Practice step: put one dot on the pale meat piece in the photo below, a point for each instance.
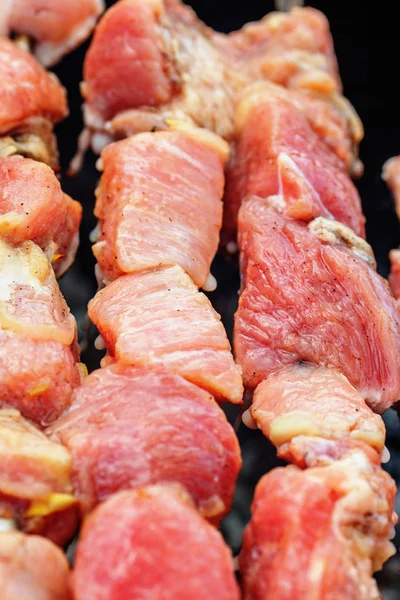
(159, 203)
(35, 480)
(334, 122)
(129, 427)
(38, 347)
(325, 529)
(167, 79)
(33, 207)
(391, 174)
(294, 49)
(32, 568)
(308, 400)
(31, 102)
(55, 27)
(394, 277)
(310, 294)
(268, 126)
(151, 543)
(159, 318)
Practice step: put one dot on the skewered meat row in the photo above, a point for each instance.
(39, 355)
(312, 310)
(168, 79)
(55, 28)
(294, 175)
(166, 345)
(36, 216)
(147, 416)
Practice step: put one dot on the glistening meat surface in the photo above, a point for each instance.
(27, 90)
(159, 203)
(308, 296)
(35, 480)
(129, 427)
(56, 27)
(268, 126)
(32, 567)
(38, 349)
(305, 399)
(325, 529)
(33, 207)
(158, 548)
(159, 318)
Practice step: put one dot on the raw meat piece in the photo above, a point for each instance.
(268, 126)
(305, 399)
(35, 480)
(325, 529)
(31, 101)
(294, 49)
(38, 347)
(159, 203)
(129, 29)
(310, 294)
(129, 427)
(391, 174)
(334, 122)
(394, 277)
(56, 27)
(159, 318)
(32, 568)
(37, 376)
(150, 543)
(33, 207)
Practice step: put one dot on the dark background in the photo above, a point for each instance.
(368, 51)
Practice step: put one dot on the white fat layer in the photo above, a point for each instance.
(385, 455)
(99, 343)
(14, 270)
(100, 141)
(248, 420)
(210, 284)
(94, 234)
(7, 525)
(232, 247)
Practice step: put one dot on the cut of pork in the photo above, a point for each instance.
(305, 399)
(35, 480)
(129, 427)
(32, 567)
(159, 203)
(159, 318)
(56, 28)
(268, 126)
(33, 207)
(32, 101)
(151, 543)
(309, 294)
(325, 529)
(38, 347)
